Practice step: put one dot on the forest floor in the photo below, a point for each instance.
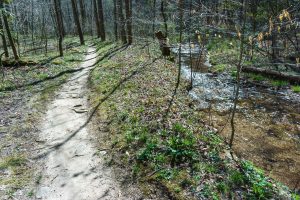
(21, 110)
(163, 142)
(47, 149)
(73, 168)
(115, 130)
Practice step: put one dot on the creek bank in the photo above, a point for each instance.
(267, 121)
(178, 154)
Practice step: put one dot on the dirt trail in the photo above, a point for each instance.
(73, 169)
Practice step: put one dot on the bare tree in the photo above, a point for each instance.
(83, 14)
(9, 35)
(57, 9)
(77, 22)
(97, 19)
(154, 18)
(121, 21)
(163, 13)
(238, 76)
(128, 6)
(3, 39)
(101, 20)
(115, 20)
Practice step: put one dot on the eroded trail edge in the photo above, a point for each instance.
(73, 168)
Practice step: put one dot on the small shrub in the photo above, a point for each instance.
(295, 197)
(147, 153)
(223, 187)
(180, 145)
(220, 68)
(234, 73)
(167, 174)
(260, 185)
(257, 77)
(237, 178)
(279, 83)
(14, 161)
(296, 88)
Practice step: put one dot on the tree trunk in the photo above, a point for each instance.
(10, 38)
(273, 74)
(128, 6)
(163, 13)
(97, 19)
(69, 22)
(238, 76)
(44, 31)
(83, 14)
(115, 21)
(59, 26)
(154, 19)
(180, 9)
(121, 21)
(61, 18)
(77, 22)
(101, 20)
(3, 40)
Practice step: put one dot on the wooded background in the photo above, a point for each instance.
(270, 30)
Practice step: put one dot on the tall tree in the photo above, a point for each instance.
(115, 21)
(32, 23)
(77, 22)
(57, 9)
(9, 35)
(97, 19)
(154, 19)
(128, 7)
(101, 20)
(163, 13)
(61, 19)
(3, 39)
(83, 14)
(121, 21)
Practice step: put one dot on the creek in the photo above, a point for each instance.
(267, 120)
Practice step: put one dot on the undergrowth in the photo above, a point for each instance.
(16, 171)
(45, 65)
(178, 153)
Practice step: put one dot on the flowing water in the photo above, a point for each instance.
(267, 120)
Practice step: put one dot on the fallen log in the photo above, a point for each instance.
(18, 63)
(273, 74)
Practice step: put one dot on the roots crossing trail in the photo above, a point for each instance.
(73, 169)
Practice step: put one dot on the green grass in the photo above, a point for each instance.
(260, 185)
(257, 77)
(233, 73)
(23, 75)
(220, 68)
(20, 173)
(30, 194)
(279, 83)
(12, 161)
(177, 154)
(296, 197)
(296, 88)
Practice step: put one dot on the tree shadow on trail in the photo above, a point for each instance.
(69, 71)
(94, 110)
